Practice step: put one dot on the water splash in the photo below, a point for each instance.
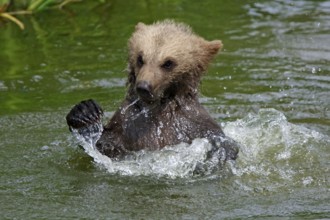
(276, 153)
(273, 153)
(181, 160)
(87, 138)
(173, 161)
(124, 109)
(134, 115)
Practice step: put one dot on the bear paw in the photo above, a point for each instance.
(84, 114)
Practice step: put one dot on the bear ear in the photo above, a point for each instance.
(140, 26)
(213, 47)
(209, 50)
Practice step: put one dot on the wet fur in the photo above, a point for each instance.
(172, 113)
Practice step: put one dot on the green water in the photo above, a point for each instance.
(276, 56)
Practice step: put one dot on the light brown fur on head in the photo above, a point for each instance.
(167, 53)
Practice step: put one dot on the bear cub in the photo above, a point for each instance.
(165, 65)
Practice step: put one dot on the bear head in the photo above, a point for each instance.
(167, 59)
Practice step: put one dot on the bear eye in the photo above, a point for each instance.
(140, 61)
(168, 65)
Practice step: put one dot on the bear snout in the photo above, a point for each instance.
(144, 90)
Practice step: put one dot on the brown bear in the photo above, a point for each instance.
(161, 108)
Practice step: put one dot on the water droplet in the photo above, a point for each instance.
(45, 147)
(36, 78)
(123, 110)
(101, 56)
(307, 180)
(313, 70)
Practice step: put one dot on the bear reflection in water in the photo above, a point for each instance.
(161, 108)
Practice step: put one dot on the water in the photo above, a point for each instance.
(280, 152)
(269, 88)
(182, 160)
(266, 135)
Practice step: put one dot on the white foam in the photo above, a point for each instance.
(273, 153)
(172, 161)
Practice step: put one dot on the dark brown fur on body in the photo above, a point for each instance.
(136, 127)
(161, 108)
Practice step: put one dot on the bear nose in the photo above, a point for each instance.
(143, 88)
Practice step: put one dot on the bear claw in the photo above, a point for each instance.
(83, 114)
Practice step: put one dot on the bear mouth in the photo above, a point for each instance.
(146, 97)
(144, 91)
